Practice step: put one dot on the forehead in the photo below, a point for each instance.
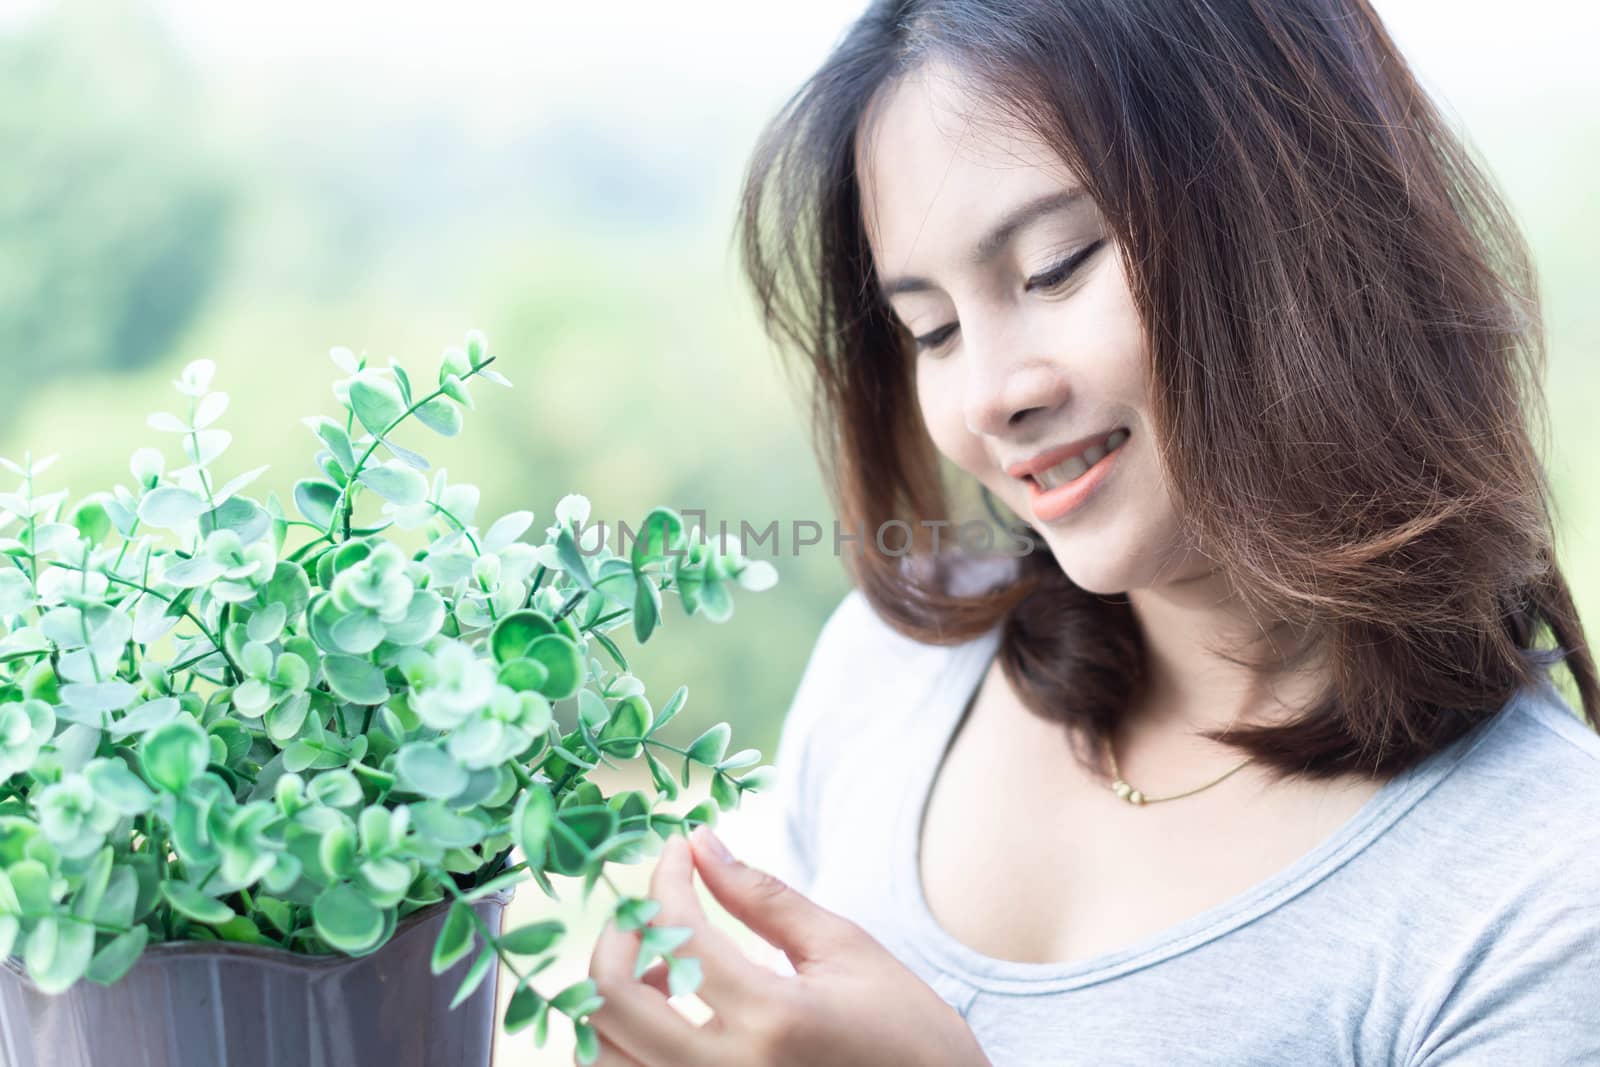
(938, 162)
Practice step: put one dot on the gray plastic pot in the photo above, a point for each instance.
(223, 1004)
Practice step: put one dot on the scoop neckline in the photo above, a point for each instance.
(944, 705)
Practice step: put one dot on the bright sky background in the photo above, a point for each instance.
(1480, 54)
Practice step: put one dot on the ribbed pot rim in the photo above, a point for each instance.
(274, 956)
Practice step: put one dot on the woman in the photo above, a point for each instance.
(1255, 758)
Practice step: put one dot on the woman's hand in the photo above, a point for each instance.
(849, 1004)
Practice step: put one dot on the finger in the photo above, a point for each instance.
(636, 1017)
(728, 977)
(783, 917)
(656, 978)
(611, 1056)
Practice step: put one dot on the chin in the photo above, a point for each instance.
(1090, 571)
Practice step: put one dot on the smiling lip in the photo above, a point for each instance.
(1051, 504)
(1045, 460)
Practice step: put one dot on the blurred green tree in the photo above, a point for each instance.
(115, 209)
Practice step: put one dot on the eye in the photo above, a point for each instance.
(1058, 275)
(935, 338)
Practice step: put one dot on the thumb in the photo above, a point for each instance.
(783, 916)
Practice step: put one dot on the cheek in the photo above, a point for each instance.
(939, 397)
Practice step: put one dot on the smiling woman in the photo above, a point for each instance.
(1260, 759)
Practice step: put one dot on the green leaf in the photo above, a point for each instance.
(530, 824)
(745, 757)
(428, 770)
(563, 662)
(96, 880)
(524, 1005)
(395, 483)
(70, 957)
(633, 913)
(758, 576)
(657, 940)
(646, 609)
(673, 705)
(576, 994)
(724, 792)
(190, 902)
(481, 969)
(355, 680)
(524, 675)
(683, 976)
(315, 499)
(441, 415)
(515, 632)
(243, 929)
(403, 380)
(118, 956)
(617, 581)
(611, 648)
(665, 784)
(376, 401)
(630, 718)
(715, 601)
(587, 1043)
(347, 920)
(174, 753)
(703, 812)
(661, 532)
(572, 560)
(438, 825)
(169, 507)
(336, 852)
(114, 783)
(532, 939)
(338, 442)
(455, 938)
(761, 780)
(709, 746)
(591, 824)
(92, 520)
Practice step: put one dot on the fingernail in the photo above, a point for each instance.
(714, 845)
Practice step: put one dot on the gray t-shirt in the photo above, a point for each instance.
(1453, 920)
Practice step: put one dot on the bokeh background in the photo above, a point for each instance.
(257, 183)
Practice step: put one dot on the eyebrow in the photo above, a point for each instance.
(997, 238)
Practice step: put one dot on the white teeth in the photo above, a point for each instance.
(1062, 473)
(1072, 469)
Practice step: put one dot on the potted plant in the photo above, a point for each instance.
(268, 778)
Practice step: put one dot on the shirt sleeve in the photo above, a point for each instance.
(1526, 991)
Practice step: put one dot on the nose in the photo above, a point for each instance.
(1010, 380)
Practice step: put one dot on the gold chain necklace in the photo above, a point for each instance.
(1136, 797)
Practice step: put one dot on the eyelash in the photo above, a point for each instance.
(1051, 279)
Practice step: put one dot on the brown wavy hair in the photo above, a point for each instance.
(1345, 347)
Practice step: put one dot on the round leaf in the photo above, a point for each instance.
(169, 507)
(562, 660)
(347, 920)
(429, 771)
(515, 632)
(175, 753)
(441, 415)
(190, 902)
(355, 680)
(375, 398)
(395, 483)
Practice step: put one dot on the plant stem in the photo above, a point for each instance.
(238, 673)
(343, 506)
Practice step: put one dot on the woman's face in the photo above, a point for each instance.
(1027, 336)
